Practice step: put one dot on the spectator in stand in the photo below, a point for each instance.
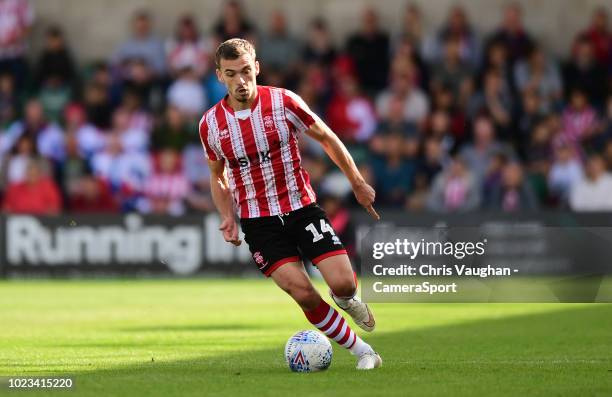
(187, 49)
(173, 132)
(317, 169)
(195, 168)
(139, 117)
(48, 136)
(439, 128)
(411, 27)
(455, 189)
(600, 36)
(96, 99)
(278, 50)
(187, 94)
(15, 26)
(349, 113)
(579, 120)
(541, 75)
(513, 193)
(451, 70)
(432, 160)
(132, 139)
(9, 100)
(393, 172)
(89, 139)
(512, 34)
(37, 194)
(314, 86)
(369, 49)
(125, 172)
(417, 199)
(92, 196)
(493, 177)
(55, 76)
(319, 47)
(538, 163)
(479, 153)
(495, 100)
(55, 62)
(457, 27)
(394, 120)
(405, 53)
(403, 92)
(100, 73)
(74, 167)
(14, 169)
(594, 191)
(530, 116)
(166, 190)
(583, 71)
(233, 23)
(606, 125)
(496, 58)
(607, 155)
(539, 150)
(139, 84)
(143, 45)
(565, 172)
(443, 101)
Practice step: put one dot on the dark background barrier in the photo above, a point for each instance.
(141, 245)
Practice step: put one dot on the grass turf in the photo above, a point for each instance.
(226, 337)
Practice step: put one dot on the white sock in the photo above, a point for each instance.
(360, 347)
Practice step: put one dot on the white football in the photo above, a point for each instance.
(308, 351)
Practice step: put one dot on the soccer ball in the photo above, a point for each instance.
(308, 351)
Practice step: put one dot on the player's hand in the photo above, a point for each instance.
(365, 195)
(229, 227)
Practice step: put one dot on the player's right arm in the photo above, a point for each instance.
(222, 197)
(219, 186)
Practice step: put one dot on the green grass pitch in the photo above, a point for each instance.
(219, 337)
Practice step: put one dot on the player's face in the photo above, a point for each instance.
(239, 76)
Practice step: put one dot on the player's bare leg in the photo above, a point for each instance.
(293, 279)
(342, 281)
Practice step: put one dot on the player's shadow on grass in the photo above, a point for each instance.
(570, 347)
(193, 327)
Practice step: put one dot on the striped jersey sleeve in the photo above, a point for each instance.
(207, 137)
(297, 111)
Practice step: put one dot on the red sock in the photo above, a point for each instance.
(332, 324)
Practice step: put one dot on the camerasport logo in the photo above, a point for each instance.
(259, 260)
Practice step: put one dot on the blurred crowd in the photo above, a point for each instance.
(449, 119)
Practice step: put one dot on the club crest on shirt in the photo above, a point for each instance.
(259, 260)
(224, 133)
(268, 122)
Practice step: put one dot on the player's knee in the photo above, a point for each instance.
(344, 288)
(305, 295)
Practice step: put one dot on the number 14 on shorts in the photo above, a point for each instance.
(325, 228)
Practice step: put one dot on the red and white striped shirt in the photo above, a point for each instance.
(260, 149)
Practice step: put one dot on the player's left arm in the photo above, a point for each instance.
(339, 154)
